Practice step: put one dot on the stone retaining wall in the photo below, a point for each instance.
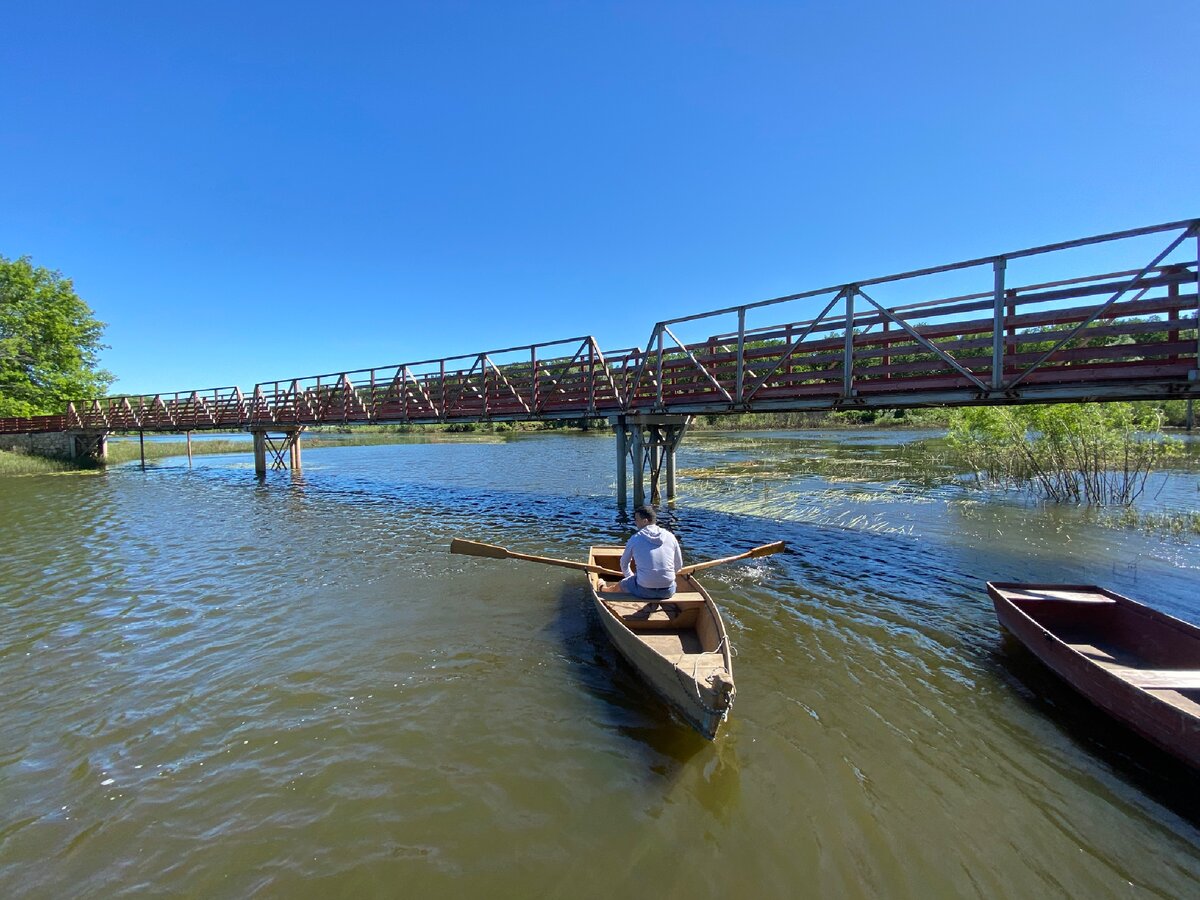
(56, 444)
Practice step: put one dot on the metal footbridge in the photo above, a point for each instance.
(1109, 317)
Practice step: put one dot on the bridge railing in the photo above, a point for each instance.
(565, 379)
(178, 411)
(32, 424)
(1133, 325)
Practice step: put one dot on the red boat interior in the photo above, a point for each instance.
(1139, 645)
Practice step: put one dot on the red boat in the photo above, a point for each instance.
(1140, 666)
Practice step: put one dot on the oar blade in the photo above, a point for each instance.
(475, 548)
(764, 550)
(767, 549)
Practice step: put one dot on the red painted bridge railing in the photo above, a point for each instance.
(1130, 332)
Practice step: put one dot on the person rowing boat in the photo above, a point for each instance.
(651, 559)
(680, 648)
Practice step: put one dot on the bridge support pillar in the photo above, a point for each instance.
(260, 453)
(622, 458)
(649, 443)
(91, 445)
(264, 446)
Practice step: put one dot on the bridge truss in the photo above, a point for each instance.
(1124, 333)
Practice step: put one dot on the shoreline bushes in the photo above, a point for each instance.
(1100, 454)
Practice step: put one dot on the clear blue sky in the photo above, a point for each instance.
(250, 191)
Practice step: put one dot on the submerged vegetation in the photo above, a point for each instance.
(1170, 523)
(1100, 454)
(15, 462)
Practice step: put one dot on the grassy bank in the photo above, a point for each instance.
(127, 451)
(12, 463)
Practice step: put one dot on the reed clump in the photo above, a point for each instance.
(1099, 454)
(1172, 523)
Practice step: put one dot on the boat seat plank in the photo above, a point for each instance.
(1161, 679)
(1062, 593)
(1181, 701)
(1107, 656)
(681, 597)
(1060, 596)
(1092, 652)
(1166, 679)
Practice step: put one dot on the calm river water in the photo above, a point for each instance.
(216, 687)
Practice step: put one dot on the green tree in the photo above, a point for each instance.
(49, 342)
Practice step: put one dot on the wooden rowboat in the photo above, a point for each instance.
(1139, 665)
(678, 646)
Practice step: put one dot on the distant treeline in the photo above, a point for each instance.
(1173, 413)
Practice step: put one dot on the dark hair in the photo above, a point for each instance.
(646, 512)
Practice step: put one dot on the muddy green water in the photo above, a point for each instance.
(215, 687)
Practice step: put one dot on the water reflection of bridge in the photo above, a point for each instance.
(1111, 317)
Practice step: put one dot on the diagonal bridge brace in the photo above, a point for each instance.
(1129, 285)
(556, 381)
(277, 451)
(795, 346)
(926, 343)
(700, 366)
(508, 384)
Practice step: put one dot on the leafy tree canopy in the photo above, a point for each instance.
(49, 342)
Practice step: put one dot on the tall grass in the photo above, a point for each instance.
(16, 463)
(127, 451)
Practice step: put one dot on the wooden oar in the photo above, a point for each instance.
(490, 551)
(764, 550)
